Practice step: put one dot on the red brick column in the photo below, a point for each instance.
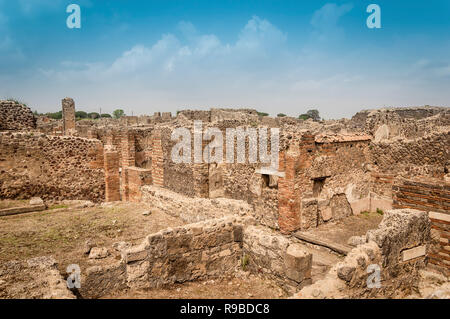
(288, 200)
(157, 160)
(136, 177)
(128, 149)
(112, 178)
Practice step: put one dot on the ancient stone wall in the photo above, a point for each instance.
(395, 251)
(432, 197)
(193, 209)
(16, 116)
(427, 156)
(276, 257)
(209, 249)
(54, 168)
(401, 122)
(133, 178)
(326, 179)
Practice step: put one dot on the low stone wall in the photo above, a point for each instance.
(16, 116)
(205, 250)
(193, 209)
(197, 251)
(50, 167)
(397, 249)
(276, 257)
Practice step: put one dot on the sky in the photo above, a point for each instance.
(284, 56)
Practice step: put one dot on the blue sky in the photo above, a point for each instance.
(275, 56)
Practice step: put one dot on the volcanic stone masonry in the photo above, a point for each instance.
(16, 116)
(328, 171)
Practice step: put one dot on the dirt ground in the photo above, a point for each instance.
(63, 232)
(341, 230)
(250, 287)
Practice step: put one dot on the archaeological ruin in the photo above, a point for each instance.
(358, 208)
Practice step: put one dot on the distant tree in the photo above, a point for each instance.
(262, 114)
(118, 113)
(81, 115)
(281, 115)
(55, 115)
(94, 115)
(106, 115)
(310, 114)
(314, 114)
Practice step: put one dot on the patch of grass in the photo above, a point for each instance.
(58, 206)
(244, 262)
(380, 212)
(365, 213)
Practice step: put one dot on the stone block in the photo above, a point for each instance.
(415, 252)
(298, 263)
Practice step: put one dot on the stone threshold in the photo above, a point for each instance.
(21, 210)
(339, 248)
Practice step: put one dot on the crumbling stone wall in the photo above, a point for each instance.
(193, 209)
(209, 249)
(16, 116)
(431, 196)
(411, 122)
(397, 248)
(276, 257)
(317, 187)
(50, 167)
(426, 156)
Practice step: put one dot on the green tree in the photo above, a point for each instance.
(262, 114)
(314, 114)
(55, 115)
(118, 113)
(310, 114)
(281, 115)
(94, 115)
(106, 115)
(81, 114)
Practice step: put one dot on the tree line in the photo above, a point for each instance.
(81, 115)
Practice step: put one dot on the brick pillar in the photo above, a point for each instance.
(288, 199)
(112, 178)
(135, 177)
(68, 114)
(201, 180)
(128, 159)
(157, 160)
(128, 149)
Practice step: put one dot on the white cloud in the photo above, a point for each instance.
(326, 20)
(202, 54)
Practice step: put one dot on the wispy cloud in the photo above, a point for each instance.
(326, 21)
